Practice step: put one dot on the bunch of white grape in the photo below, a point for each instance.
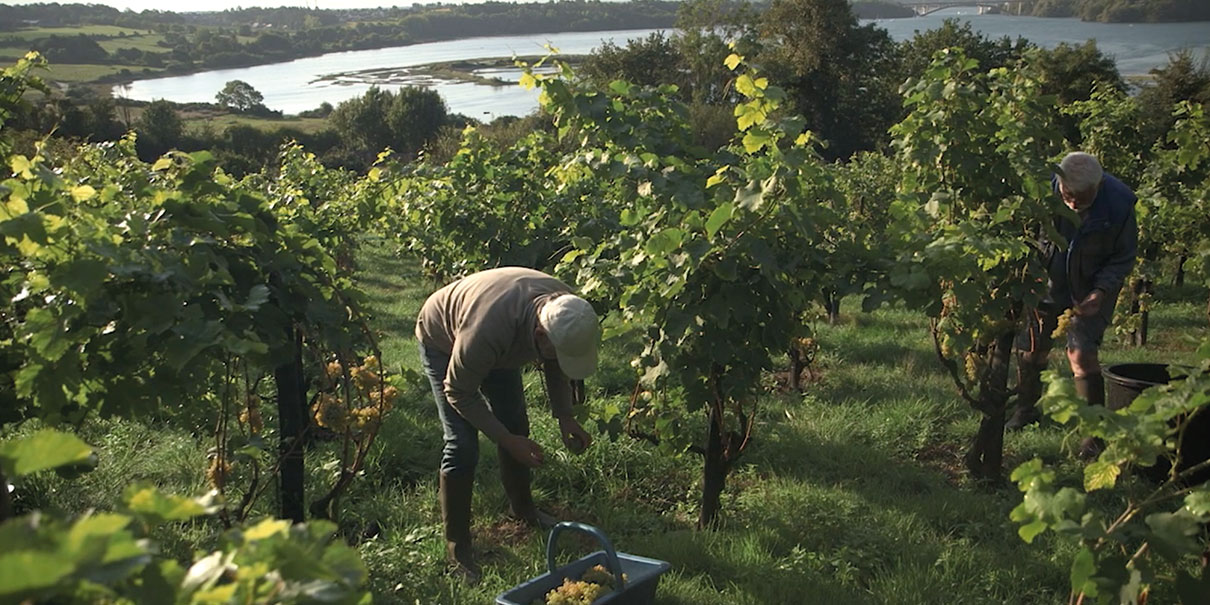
(1064, 321)
(595, 583)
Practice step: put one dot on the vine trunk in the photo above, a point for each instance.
(291, 404)
(986, 455)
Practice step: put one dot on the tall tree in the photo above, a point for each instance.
(240, 96)
(835, 71)
(415, 117)
(1184, 78)
(160, 129)
(403, 121)
(916, 53)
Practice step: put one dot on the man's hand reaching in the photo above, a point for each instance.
(574, 436)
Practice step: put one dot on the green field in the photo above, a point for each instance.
(146, 43)
(88, 30)
(73, 73)
(852, 491)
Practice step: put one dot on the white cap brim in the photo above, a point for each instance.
(577, 367)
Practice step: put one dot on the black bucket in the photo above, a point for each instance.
(1125, 382)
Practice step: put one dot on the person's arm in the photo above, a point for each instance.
(470, 362)
(1119, 264)
(558, 390)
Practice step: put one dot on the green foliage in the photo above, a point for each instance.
(917, 53)
(107, 556)
(974, 198)
(70, 49)
(486, 207)
(712, 256)
(975, 194)
(403, 121)
(857, 243)
(1154, 538)
(48, 449)
(174, 290)
(169, 269)
(840, 76)
(160, 129)
(651, 61)
(1177, 189)
(1110, 123)
(1118, 11)
(1072, 71)
(1186, 77)
(14, 81)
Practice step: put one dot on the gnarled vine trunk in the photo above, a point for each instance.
(794, 380)
(985, 457)
(722, 449)
(291, 410)
(714, 473)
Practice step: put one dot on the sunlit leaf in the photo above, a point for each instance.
(45, 449)
(1100, 475)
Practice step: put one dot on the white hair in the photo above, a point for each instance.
(1082, 172)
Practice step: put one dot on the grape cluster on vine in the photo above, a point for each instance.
(372, 398)
(250, 416)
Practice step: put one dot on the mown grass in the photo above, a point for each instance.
(221, 121)
(852, 491)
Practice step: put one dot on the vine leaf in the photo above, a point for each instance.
(718, 218)
(1100, 475)
(1082, 569)
(44, 450)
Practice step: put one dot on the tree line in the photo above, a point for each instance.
(841, 75)
(194, 41)
(1125, 11)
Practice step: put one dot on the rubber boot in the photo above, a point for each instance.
(1029, 390)
(1091, 388)
(516, 479)
(455, 493)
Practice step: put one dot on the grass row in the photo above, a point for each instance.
(852, 491)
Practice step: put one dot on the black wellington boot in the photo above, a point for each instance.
(455, 494)
(1091, 388)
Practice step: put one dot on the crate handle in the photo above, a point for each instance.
(611, 556)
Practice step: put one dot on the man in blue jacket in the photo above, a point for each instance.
(1085, 276)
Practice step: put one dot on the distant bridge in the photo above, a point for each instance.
(1011, 7)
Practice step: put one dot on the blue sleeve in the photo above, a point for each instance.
(1121, 261)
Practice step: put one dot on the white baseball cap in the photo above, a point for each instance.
(574, 330)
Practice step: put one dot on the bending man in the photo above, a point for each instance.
(475, 334)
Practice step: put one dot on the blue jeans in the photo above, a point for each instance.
(505, 396)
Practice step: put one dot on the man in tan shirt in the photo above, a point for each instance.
(475, 335)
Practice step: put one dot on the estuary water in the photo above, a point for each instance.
(305, 83)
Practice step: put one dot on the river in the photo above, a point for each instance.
(305, 83)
